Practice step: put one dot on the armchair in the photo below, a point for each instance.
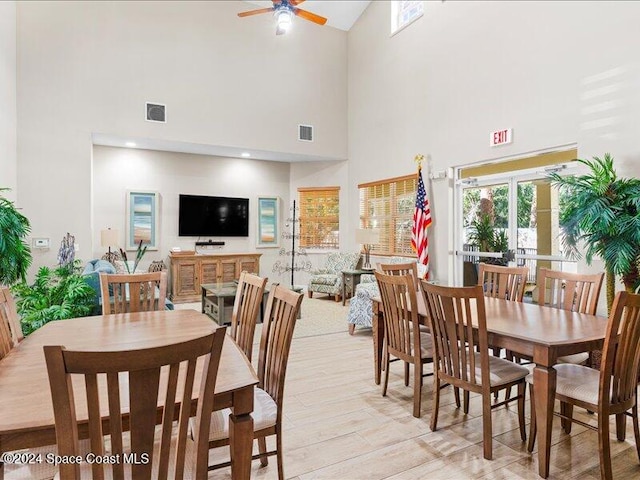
(329, 279)
(361, 306)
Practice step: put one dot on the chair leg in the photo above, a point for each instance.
(496, 353)
(456, 395)
(621, 426)
(352, 328)
(417, 388)
(309, 293)
(636, 430)
(436, 403)
(465, 399)
(522, 393)
(566, 409)
(262, 448)
(486, 427)
(507, 394)
(532, 425)
(604, 447)
(279, 456)
(386, 375)
(406, 374)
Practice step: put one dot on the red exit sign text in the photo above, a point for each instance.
(500, 137)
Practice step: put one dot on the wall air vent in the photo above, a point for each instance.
(305, 133)
(156, 112)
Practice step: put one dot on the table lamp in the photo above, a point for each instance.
(367, 237)
(109, 237)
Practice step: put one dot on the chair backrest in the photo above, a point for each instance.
(277, 331)
(451, 312)
(10, 330)
(399, 306)
(143, 370)
(246, 306)
(136, 292)
(569, 291)
(409, 268)
(503, 282)
(339, 261)
(621, 353)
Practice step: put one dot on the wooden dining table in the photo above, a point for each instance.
(26, 415)
(539, 332)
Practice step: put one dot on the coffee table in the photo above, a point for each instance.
(218, 298)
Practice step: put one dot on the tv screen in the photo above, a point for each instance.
(213, 216)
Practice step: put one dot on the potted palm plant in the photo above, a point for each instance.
(15, 254)
(602, 211)
(484, 235)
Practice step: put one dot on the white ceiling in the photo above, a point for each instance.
(340, 14)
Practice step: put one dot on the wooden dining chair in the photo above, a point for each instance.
(10, 330)
(400, 311)
(610, 391)
(409, 268)
(159, 453)
(246, 307)
(507, 283)
(570, 291)
(136, 292)
(452, 313)
(277, 332)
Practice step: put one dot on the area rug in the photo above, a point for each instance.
(320, 316)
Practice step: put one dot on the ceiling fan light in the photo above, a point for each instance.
(283, 19)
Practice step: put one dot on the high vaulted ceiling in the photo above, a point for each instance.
(340, 14)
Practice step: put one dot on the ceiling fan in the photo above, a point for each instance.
(284, 10)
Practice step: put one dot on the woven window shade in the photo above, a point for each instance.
(388, 205)
(319, 217)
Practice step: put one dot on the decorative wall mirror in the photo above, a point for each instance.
(142, 219)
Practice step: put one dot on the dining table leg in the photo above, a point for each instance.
(544, 385)
(241, 434)
(377, 323)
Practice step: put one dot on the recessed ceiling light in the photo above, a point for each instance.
(245, 154)
(130, 144)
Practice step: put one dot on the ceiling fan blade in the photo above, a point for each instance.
(255, 12)
(312, 17)
(295, 2)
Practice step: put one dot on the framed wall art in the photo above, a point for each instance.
(142, 219)
(268, 222)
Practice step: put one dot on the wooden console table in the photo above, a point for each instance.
(189, 272)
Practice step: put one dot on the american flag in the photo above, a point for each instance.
(421, 221)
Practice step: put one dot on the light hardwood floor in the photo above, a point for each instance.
(338, 426)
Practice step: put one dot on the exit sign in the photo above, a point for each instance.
(500, 137)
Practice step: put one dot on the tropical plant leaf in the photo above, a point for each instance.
(56, 294)
(603, 213)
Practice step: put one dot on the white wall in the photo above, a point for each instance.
(8, 165)
(88, 67)
(116, 170)
(555, 72)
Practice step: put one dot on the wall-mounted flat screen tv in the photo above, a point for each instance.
(201, 216)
